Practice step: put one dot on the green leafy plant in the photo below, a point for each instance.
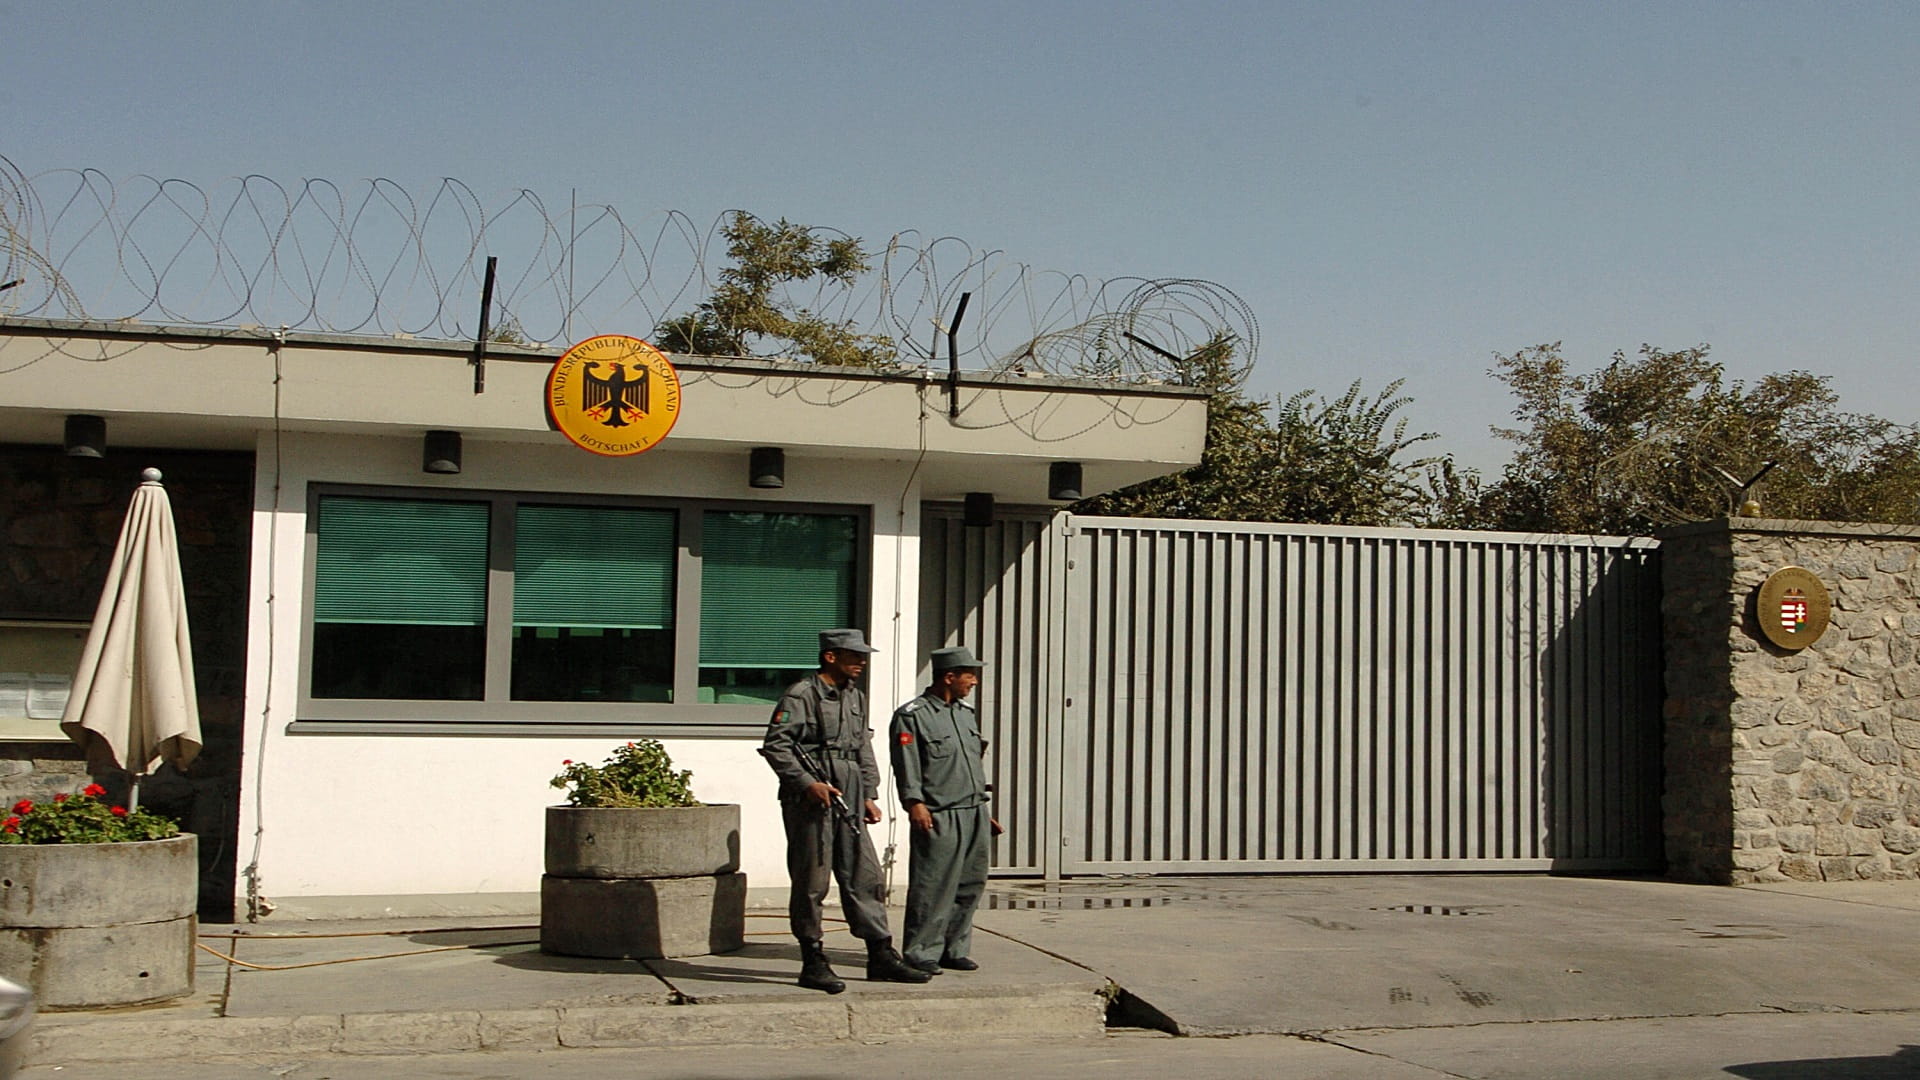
(637, 774)
(750, 305)
(85, 818)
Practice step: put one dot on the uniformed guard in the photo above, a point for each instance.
(820, 744)
(940, 771)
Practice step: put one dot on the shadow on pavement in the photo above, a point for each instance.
(1902, 1064)
(747, 965)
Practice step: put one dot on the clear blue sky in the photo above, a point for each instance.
(1399, 190)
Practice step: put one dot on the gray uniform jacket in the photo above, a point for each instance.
(831, 723)
(937, 754)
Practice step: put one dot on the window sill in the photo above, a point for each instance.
(702, 722)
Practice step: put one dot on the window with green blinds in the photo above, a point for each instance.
(587, 604)
(770, 583)
(413, 562)
(593, 567)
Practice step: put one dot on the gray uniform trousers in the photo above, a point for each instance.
(946, 873)
(820, 848)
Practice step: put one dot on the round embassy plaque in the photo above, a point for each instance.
(1794, 608)
(614, 395)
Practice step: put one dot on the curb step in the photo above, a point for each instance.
(1064, 1011)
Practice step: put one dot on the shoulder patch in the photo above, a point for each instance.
(906, 738)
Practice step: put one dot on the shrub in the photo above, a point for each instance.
(637, 774)
(85, 818)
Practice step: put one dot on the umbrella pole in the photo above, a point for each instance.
(133, 796)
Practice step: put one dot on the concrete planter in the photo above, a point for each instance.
(679, 841)
(641, 883)
(100, 924)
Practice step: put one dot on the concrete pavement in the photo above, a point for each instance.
(1407, 968)
(452, 985)
(1226, 956)
(1771, 1047)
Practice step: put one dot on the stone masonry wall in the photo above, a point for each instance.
(1780, 764)
(1698, 616)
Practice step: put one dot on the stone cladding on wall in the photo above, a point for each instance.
(1792, 764)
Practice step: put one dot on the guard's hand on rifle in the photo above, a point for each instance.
(822, 793)
(921, 817)
(873, 812)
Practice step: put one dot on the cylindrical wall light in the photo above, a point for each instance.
(86, 436)
(1063, 481)
(979, 511)
(441, 452)
(767, 467)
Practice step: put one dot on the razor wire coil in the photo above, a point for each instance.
(374, 258)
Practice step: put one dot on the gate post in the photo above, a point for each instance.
(1798, 761)
(1066, 685)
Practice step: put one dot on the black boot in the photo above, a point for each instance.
(815, 972)
(886, 965)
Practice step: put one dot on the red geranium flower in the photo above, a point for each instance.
(62, 797)
(93, 791)
(566, 761)
(12, 824)
(23, 806)
(119, 811)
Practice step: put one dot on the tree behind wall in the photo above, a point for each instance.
(1661, 438)
(750, 307)
(1335, 462)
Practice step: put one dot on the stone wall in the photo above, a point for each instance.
(60, 518)
(1792, 764)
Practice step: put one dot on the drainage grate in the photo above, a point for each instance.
(1429, 909)
(995, 902)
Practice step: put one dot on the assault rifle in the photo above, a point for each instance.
(840, 807)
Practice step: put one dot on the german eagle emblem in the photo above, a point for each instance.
(610, 398)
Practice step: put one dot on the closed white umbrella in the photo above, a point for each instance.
(133, 703)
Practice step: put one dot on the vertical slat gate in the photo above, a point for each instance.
(989, 589)
(1275, 697)
(1171, 696)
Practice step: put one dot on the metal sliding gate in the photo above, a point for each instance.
(1175, 696)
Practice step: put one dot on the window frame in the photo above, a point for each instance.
(496, 713)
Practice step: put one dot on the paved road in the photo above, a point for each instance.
(1778, 1046)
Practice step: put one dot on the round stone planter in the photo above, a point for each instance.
(639, 883)
(647, 842)
(100, 924)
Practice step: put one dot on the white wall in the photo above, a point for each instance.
(374, 814)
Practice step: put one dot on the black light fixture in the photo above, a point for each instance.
(1063, 481)
(86, 436)
(979, 512)
(441, 452)
(767, 467)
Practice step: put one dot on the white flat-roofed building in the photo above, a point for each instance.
(422, 649)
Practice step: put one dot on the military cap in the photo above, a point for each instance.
(844, 641)
(955, 658)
